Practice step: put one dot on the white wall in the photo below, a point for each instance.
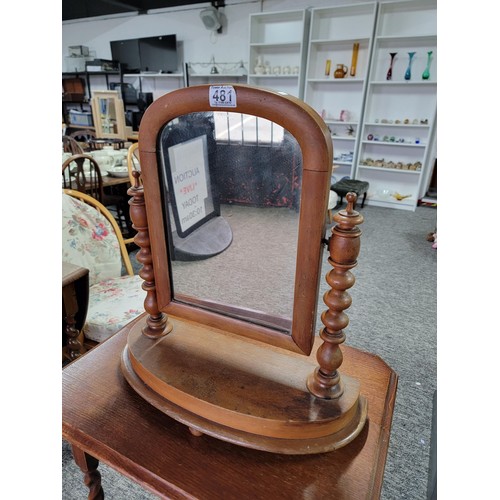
(198, 44)
(185, 23)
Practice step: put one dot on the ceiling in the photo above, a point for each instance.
(81, 9)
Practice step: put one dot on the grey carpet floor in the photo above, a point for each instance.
(393, 315)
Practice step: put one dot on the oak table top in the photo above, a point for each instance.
(104, 418)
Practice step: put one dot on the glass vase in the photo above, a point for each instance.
(426, 75)
(408, 70)
(389, 71)
(354, 60)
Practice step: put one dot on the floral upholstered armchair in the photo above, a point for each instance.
(93, 240)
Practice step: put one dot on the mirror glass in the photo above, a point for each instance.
(231, 186)
(107, 113)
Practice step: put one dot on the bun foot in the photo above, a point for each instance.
(195, 432)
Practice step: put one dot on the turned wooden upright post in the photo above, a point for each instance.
(157, 323)
(344, 246)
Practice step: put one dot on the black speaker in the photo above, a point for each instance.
(211, 18)
(133, 119)
(128, 117)
(128, 92)
(136, 119)
(144, 99)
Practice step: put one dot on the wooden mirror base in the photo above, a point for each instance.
(240, 390)
(208, 240)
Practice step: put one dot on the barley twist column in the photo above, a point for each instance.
(157, 323)
(344, 246)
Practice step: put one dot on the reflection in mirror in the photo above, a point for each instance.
(108, 115)
(231, 187)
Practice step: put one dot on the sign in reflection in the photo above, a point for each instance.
(231, 185)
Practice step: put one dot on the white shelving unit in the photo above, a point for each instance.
(333, 33)
(278, 41)
(399, 117)
(157, 83)
(216, 73)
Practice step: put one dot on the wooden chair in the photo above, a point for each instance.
(83, 137)
(79, 178)
(133, 162)
(90, 181)
(92, 239)
(70, 145)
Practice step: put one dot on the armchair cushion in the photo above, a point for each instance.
(88, 240)
(112, 304)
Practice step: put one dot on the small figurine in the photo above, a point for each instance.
(344, 115)
(400, 197)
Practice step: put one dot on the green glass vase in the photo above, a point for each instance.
(426, 74)
(408, 70)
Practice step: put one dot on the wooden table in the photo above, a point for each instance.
(104, 419)
(109, 180)
(75, 298)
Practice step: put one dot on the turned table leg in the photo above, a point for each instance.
(92, 477)
(70, 308)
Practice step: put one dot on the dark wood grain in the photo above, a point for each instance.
(105, 418)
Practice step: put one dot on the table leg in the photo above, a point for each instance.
(92, 477)
(70, 304)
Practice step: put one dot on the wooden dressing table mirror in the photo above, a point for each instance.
(238, 358)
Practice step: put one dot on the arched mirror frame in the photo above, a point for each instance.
(315, 142)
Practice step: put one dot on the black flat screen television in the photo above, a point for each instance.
(159, 53)
(155, 54)
(126, 52)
